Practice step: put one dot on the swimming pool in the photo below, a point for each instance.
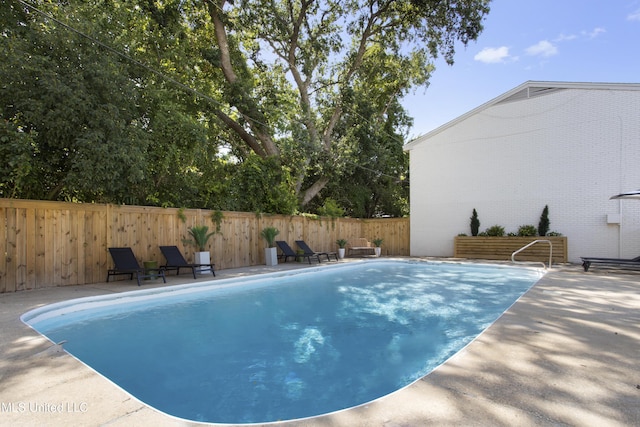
(283, 346)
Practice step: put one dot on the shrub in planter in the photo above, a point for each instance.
(543, 225)
(269, 234)
(270, 253)
(527, 231)
(495, 231)
(377, 242)
(475, 223)
(199, 237)
(342, 243)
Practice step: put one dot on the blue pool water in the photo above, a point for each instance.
(284, 346)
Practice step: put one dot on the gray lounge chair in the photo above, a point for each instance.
(175, 261)
(613, 262)
(288, 252)
(125, 262)
(308, 251)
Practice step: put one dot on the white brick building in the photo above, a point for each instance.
(570, 146)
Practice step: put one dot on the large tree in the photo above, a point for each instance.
(85, 120)
(246, 105)
(70, 117)
(325, 49)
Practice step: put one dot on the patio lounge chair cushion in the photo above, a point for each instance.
(175, 261)
(619, 262)
(125, 262)
(288, 252)
(307, 250)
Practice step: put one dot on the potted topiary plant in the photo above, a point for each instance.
(475, 223)
(342, 244)
(200, 236)
(270, 252)
(543, 225)
(377, 242)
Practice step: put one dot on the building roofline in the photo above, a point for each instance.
(526, 90)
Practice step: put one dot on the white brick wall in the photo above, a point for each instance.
(570, 150)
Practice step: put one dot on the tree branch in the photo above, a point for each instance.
(242, 133)
(313, 191)
(215, 9)
(250, 113)
(367, 32)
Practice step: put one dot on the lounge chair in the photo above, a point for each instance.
(126, 263)
(175, 261)
(308, 251)
(288, 252)
(616, 262)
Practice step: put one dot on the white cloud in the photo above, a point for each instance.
(492, 55)
(583, 34)
(634, 16)
(565, 37)
(542, 48)
(595, 33)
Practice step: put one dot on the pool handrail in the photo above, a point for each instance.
(531, 244)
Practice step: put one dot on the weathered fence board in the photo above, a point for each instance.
(11, 267)
(48, 244)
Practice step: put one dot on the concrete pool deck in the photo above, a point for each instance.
(567, 353)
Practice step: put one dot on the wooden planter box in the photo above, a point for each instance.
(501, 248)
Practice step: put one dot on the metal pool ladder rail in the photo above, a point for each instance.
(513, 255)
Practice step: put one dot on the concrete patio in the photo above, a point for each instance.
(567, 353)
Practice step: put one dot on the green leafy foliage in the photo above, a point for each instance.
(269, 234)
(217, 217)
(17, 147)
(330, 209)
(200, 236)
(371, 180)
(256, 185)
(527, 231)
(77, 104)
(494, 231)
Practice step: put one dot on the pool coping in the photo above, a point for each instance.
(564, 354)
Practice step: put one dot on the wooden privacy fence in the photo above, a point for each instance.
(48, 244)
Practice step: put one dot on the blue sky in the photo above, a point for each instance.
(546, 40)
